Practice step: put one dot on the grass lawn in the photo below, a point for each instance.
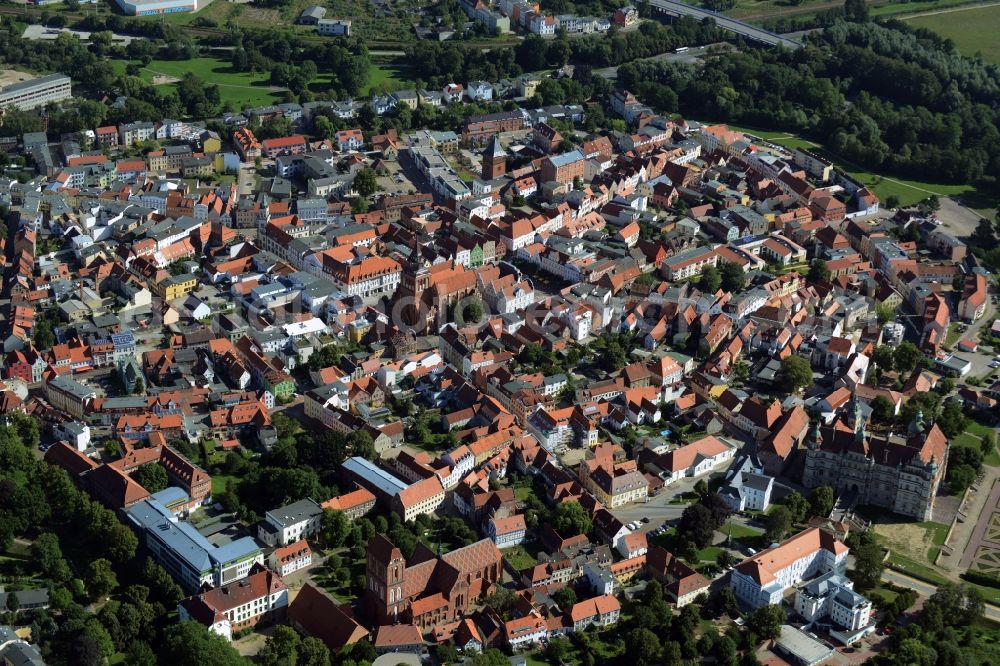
(916, 569)
(709, 554)
(738, 531)
(973, 437)
(220, 482)
(974, 30)
(239, 89)
(388, 77)
(954, 333)
(907, 541)
(522, 493)
(519, 558)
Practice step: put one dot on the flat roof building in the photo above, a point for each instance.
(190, 558)
(38, 92)
(154, 7)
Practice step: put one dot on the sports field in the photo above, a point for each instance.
(974, 30)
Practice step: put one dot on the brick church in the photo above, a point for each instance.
(429, 589)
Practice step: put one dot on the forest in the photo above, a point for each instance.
(885, 96)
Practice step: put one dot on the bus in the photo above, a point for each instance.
(682, 49)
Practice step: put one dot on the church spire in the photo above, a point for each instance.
(916, 426)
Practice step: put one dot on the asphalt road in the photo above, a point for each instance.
(926, 589)
(732, 25)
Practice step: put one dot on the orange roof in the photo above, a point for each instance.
(284, 141)
(685, 456)
(764, 566)
(606, 603)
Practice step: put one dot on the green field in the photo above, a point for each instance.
(973, 438)
(973, 30)
(386, 77)
(220, 482)
(238, 89)
(761, 11)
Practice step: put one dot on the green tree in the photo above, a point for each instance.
(906, 357)
(795, 373)
(45, 551)
(710, 280)
(797, 505)
(502, 601)
(883, 411)
(818, 270)
(732, 276)
(778, 524)
(572, 519)
(334, 528)
(281, 647)
(13, 602)
(44, 338)
(531, 354)
(884, 313)
(960, 605)
(868, 562)
(701, 488)
(821, 501)
(884, 357)
(565, 597)
(191, 643)
(557, 649)
(474, 311)
(952, 420)
(446, 653)
(856, 11)
(366, 182)
(100, 578)
(642, 646)
(765, 622)
(152, 477)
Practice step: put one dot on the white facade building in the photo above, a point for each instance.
(763, 579)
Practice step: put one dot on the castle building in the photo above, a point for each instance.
(894, 472)
(430, 589)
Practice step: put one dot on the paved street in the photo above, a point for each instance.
(658, 509)
(926, 589)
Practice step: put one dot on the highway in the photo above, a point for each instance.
(748, 31)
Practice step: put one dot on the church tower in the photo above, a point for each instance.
(386, 574)
(494, 159)
(415, 280)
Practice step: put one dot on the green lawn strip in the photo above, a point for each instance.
(915, 569)
(954, 333)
